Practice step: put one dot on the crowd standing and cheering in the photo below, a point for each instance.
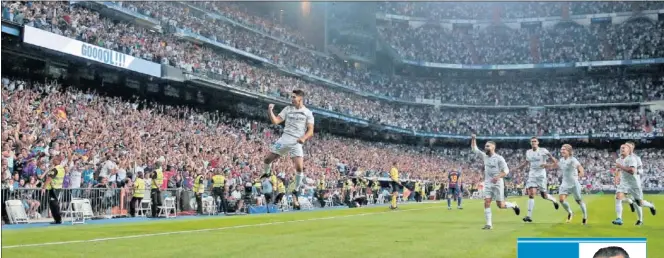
(105, 141)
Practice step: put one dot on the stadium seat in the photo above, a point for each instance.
(79, 210)
(168, 207)
(16, 212)
(209, 205)
(305, 203)
(145, 206)
(283, 205)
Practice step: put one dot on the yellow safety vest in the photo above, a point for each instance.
(376, 185)
(139, 188)
(159, 181)
(198, 186)
(281, 188)
(273, 180)
(394, 174)
(417, 187)
(58, 179)
(321, 184)
(218, 180)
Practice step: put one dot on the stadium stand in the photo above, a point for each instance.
(106, 139)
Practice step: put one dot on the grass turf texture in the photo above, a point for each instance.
(425, 230)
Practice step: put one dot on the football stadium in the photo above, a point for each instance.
(332, 129)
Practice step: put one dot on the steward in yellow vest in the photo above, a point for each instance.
(219, 190)
(54, 185)
(155, 191)
(199, 188)
(139, 193)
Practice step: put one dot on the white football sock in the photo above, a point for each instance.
(627, 200)
(647, 204)
(509, 205)
(639, 213)
(619, 209)
(531, 207)
(487, 216)
(584, 210)
(550, 198)
(567, 207)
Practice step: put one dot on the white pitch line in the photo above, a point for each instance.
(205, 230)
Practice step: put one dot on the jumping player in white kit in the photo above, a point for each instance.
(299, 128)
(495, 169)
(537, 179)
(571, 169)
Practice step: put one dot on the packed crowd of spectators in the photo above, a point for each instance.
(509, 10)
(87, 26)
(565, 42)
(105, 141)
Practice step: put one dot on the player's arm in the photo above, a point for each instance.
(580, 169)
(276, 119)
(553, 159)
(310, 129)
(473, 145)
(504, 170)
(629, 167)
(522, 165)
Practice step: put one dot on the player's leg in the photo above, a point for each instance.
(579, 200)
(649, 205)
(487, 211)
(531, 191)
(563, 200)
(637, 194)
(499, 196)
(298, 161)
(620, 195)
(450, 194)
(459, 197)
(544, 192)
(628, 200)
(267, 162)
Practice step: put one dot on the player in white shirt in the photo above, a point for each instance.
(536, 157)
(495, 169)
(299, 128)
(571, 169)
(629, 182)
(639, 171)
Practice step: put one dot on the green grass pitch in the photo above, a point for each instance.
(416, 230)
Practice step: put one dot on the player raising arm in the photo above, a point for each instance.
(572, 170)
(495, 169)
(299, 128)
(536, 157)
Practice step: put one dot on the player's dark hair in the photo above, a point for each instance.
(299, 93)
(492, 143)
(611, 251)
(534, 138)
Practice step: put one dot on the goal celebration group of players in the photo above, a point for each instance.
(299, 127)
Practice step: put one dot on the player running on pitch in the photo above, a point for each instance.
(571, 169)
(639, 170)
(537, 158)
(495, 169)
(299, 128)
(454, 189)
(629, 182)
